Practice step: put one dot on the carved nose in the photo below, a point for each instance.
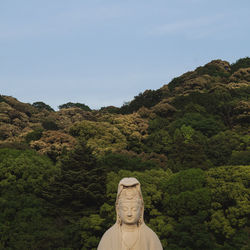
(129, 213)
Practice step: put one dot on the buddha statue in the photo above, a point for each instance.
(129, 232)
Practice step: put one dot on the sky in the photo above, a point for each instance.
(105, 52)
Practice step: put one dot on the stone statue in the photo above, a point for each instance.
(129, 232)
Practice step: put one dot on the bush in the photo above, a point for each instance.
(241, 63)
(2, 99)
(24, 219)
(74, 105)
(14, 145)
(110, 109)
(41, 106)
(117, 161)
(49, 125)
(240, 158)
(207, 125)
(147, 99)
(212, 70)
(34, 135)
(176, 82)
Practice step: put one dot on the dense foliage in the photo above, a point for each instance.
(188, 144)
(241, 63)
(76, 105)
(42, 105)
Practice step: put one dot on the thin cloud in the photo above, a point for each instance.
(186, 26)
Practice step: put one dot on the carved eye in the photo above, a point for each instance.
(125, 209)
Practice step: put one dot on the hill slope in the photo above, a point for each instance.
(211, 100)
(188, 144)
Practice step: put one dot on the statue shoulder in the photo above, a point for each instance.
(150, 236)
(108, 237)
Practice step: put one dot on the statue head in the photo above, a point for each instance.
(129, 202)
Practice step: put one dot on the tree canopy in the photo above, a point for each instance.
(187, 143)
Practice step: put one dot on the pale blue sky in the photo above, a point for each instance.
(104, 52)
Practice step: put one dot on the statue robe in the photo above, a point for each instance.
(112, 239)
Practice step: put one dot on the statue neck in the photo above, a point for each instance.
(129, 227)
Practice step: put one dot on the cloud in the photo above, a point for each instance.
(189, 27)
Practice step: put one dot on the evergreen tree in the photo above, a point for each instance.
(80, 187)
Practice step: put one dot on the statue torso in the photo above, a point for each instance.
(147, 239)
(130, 240)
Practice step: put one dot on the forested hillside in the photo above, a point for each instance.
(188, 143)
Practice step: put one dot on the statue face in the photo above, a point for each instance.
(130, 212)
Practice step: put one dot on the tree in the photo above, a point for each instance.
(126, 161)
(41, 106)
(159, 142)
(49, 125)
(74, 105)
(187, 201)
(188, 150)
(230, 207)
(240, 63)
(133, 127)
(101, 137)
(24, 222)
(80, 186)
(34, 135)
(147, 99)
(240, 158)
(219, 148)
(208, 125)
(76, 193)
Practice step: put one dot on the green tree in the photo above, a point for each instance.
(41, 106)
(208, 126)
(74, 105)
(34, 135)
(240, 158)
(49, 125)
(188, 150)
(76, 193)
(125, 161)
(78, 190)
(187, 201)
(240, 63)
(219, 147)
(24, 222)
(159, 142)
(101, 137)
(91, 231)
(147, 99)
(230, 207)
